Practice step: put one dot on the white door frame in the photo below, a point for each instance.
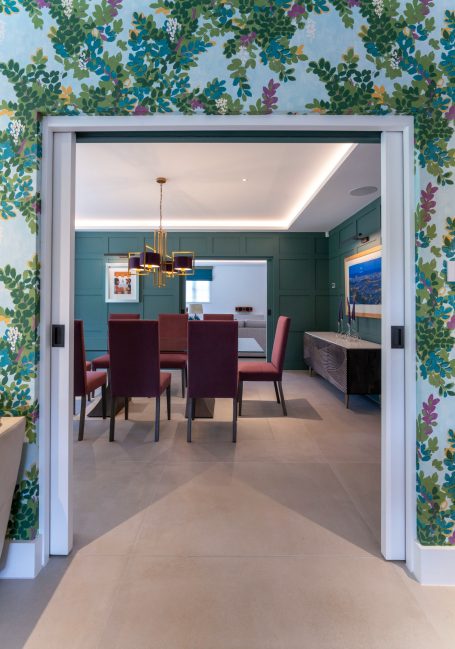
(398, 197)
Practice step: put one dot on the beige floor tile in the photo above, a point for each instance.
(243, 509)
(362, 481)
(76, 614)
(271, 542)
(273, 603)
(109, 505)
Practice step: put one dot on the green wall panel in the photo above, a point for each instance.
(156, 304)
(261, 246)
(297, 246)
(296, 283)
(89, 277)
(322, 275)
(321, 246)
(226, 246)
(89, 245)
(321, 312)
(297, 274)
(121, 243)
(300, 308)
(201, 245)
(342, 244)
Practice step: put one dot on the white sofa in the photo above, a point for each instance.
(254, 328)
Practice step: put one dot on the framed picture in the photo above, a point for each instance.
(120, 285)
(362, 277)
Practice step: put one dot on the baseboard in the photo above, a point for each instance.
(21, 559)
(434, 566)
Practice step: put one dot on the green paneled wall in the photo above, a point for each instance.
(298, 279)
(341, 245)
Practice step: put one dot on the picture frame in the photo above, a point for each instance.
(121, 286)
(362, 278)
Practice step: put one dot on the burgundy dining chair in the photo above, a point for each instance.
(218, 316)
(102, 362)
(212, 365)
(257, 371)
(174, 343)
(85, 381)
(135, 367)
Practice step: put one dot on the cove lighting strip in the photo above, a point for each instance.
(341, 153)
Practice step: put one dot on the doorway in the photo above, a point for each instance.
(397, 428)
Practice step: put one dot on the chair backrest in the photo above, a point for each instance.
(124, 316)
(173, 332)
(218, 316)
(280, 342)
(80, 378)
(134, 358)
(212, 358)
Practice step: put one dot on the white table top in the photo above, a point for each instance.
(343, 341)
(249, 345)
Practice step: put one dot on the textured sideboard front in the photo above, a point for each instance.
(354, 367)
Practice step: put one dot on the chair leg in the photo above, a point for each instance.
(234, 420)
(103, 399)
(183, 382)
(190, 408)
(126, 407)
(157, 418)
(74, 405)
(112, 422)
(186, 375)
(240, 397)
(82, 417)
(168, 401)
(283, 403)
(276, 392)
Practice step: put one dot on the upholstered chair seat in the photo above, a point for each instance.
(174, 343)
(255, 371)
(85, 382)
(212, 365)
(135, 367)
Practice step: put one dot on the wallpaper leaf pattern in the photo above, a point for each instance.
(229, 57)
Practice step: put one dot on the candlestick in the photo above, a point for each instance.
(353, 308)
(340, 310)
(349, 310)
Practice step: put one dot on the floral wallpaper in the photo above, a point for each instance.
(105, 57)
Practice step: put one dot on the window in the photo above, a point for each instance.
(198, 291)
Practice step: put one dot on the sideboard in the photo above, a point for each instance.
(353, 366)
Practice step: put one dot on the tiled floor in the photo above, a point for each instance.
(270, 543)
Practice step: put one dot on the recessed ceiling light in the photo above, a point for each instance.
(244, 180)
(363, 191)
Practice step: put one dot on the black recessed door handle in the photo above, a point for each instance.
(58, 335)
(397, 337)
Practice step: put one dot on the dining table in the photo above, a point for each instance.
(204, 407)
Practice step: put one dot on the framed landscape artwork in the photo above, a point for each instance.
(120, 285)
(362, 274)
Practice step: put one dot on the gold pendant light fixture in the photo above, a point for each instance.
(155, 259)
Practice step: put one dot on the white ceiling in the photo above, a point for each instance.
(301, 187)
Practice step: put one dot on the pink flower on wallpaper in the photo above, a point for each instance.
(450, 114)
(451, 323)
(427, 202)
(196, 103)
(247, 39)
(141, 110)
(451, 538)
(429, 416)
(296, 10)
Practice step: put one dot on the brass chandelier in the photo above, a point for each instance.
(155, 260)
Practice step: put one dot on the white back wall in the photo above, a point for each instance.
(238, 284)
